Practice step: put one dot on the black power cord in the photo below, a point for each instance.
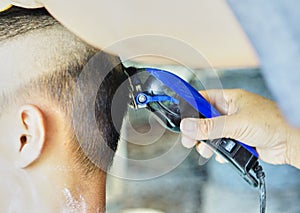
(262, 186)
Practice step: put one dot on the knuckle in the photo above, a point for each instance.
(205, 128)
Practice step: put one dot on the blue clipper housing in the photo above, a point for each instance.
(171, 99)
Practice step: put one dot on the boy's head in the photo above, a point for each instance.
(40, 65)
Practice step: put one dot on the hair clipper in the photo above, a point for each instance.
(171, 99)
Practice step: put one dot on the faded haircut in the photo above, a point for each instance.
(59, 87)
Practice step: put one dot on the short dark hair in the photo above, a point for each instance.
(59, 87)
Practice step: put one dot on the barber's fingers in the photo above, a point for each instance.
(188, 142)
(205, 153)
(204, 150)
(212, 128)
(220, 100)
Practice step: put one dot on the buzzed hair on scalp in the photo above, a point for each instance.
(59, 86)
(17, 21)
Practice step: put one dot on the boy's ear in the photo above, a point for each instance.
(31, 136)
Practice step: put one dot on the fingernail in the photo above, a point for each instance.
(188, 126)
(204, 150)
(187, 142)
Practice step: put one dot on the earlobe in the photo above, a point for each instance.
(32, 136)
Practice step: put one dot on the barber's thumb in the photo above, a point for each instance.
(203, 129)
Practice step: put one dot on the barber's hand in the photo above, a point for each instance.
(248, 117)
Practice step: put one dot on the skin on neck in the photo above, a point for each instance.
(52, 182)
